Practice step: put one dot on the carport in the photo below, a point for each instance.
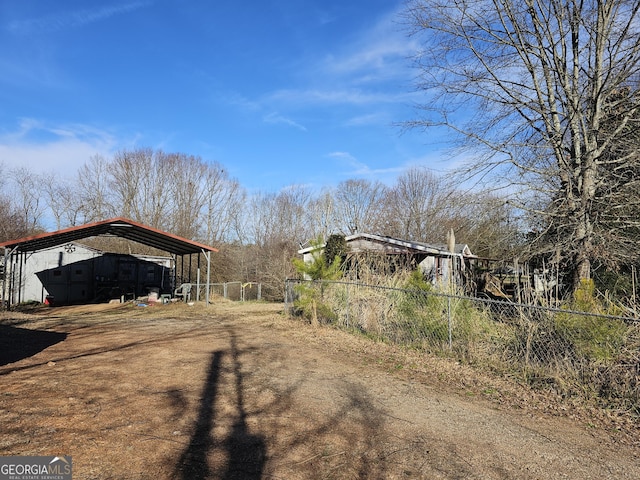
(16, 252)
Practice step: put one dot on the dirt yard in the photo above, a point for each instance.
(240, 391)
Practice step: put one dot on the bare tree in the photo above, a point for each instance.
(185, 179)
(12, 224)
(170, 191)
(153, 196)
(127, 172)
(93, 190)
(281, 216)
(357, 205)
(63, 200)
(279, 223)
(211, 206)
(416, 206)
(488, 224)
(321, 215)
(28, 201)
(531, 85)
(223, 212)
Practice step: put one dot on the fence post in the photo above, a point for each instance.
(286, 296)
(449, 322)
(224, 289)
(347, 305)
(289, 295)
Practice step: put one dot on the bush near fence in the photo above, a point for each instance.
(589, 355)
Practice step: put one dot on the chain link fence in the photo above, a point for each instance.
(237, 291)
(593, 355)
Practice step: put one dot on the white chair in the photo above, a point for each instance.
(183, 292)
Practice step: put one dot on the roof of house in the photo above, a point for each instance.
(434, 249)
(119, 227)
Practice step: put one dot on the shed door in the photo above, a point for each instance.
(71, 283)
(80, 274)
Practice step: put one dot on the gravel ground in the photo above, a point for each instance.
(240, 391)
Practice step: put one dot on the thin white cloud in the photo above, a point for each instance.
(72, 19)
(342, 156)
(376, 56)
(59, 149)
(370, 70)
(238, 100)
(379, 54)
(325, 18)
(332, 97)
(276, 118)
(362, 74)
(358, 168)
(368, 119)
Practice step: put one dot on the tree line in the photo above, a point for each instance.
(257, 234)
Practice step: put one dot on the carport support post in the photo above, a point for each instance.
(207, 255)
(22, 257)
(198, 284)
(5, 304)
(174, 273)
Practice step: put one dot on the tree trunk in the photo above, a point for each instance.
(582, 271)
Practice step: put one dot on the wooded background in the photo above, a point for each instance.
(257, 233)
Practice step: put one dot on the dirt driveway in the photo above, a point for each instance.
(240, 391)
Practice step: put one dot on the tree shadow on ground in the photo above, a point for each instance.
(32, 345)
(193, 462)
(245, 452)
(344, 438)
(19, 343)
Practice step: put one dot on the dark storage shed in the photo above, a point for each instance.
(88, 271)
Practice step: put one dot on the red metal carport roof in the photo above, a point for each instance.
(119, 227)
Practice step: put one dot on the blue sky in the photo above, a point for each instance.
(279, 92)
